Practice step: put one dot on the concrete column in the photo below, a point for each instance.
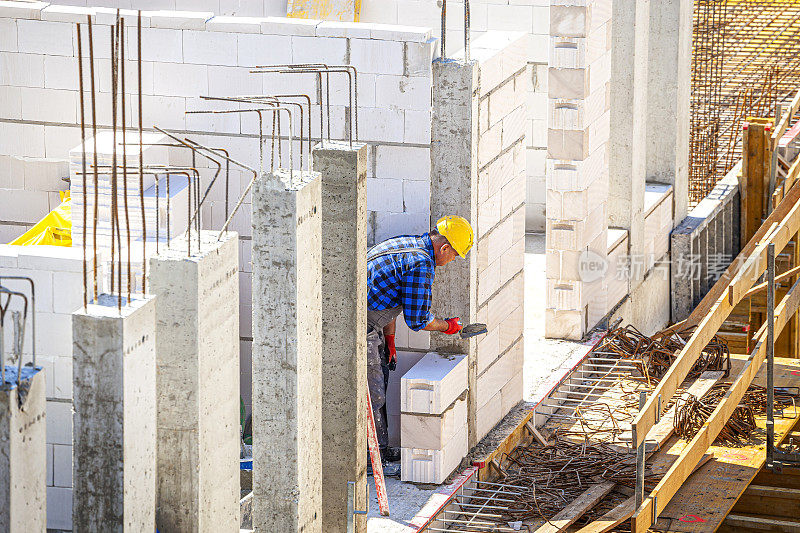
(454, 176)
(197, 383)
(668, 89)
(114, 419)
(343, 171)
(287, 372)
(649, 92)
(23, 464)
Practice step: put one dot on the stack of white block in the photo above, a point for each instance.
(57, 273)
(433, 417)
(499, 250)
(577, 179)
(174, 196)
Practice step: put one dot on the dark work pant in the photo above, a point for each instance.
(377, 379)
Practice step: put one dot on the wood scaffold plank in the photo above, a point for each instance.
(658, 499)
(783, 223)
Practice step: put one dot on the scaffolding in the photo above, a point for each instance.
(745, 61)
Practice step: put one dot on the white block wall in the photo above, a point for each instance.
(28, 188)
(500, 237)
(191, 54)
(577, 149)
(57, 273)
(529, 16)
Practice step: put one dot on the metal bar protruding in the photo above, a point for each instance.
(94, 156)
(640, 459)
(351, 506)
(141, 152)
(83, 162)
(466, 31)
(33, 312)
(770, 354)
(443, 49)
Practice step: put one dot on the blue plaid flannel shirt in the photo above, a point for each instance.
(403, 279)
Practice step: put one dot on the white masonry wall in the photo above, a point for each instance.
(191, 54)
(500, 241)
(57, 274)
(529, 16)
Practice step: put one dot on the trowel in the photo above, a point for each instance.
(471, 330)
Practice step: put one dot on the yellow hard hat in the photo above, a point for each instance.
(457, 231)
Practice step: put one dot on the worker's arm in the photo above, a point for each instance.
(437, 324)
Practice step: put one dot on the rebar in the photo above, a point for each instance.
(745, 60)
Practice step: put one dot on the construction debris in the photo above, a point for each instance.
(543, 479)
(654, 355)
(693, 412)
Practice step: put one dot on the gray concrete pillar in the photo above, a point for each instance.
(343, 171)
(454, 176)
(114, 419)
(197, 384)
(23, 465)
(668, 89)
(287, 372)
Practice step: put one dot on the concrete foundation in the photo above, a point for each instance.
(343, 171)
(22, 453)
(114, 419)
(287, 372)
(197, 384)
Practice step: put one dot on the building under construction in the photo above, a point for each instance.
(196, 333)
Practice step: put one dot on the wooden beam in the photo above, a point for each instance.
(741, 280)
(762, 523)
(623, 511)
(577, 508)
(775, 501)
(783, 123)
(763, 286)
(691, 455)
(712, 296)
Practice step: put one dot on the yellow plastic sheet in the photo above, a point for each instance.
(55, 229)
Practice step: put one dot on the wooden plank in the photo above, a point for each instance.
(762, 523)
(742, 280)
(775, 501)
(713, 295)
(680, 470)
(703, 501)
(664, 429)
(785, 119)
(754, 186)
(612, 518)
(577, 507)
(622, 512)
(792, 272)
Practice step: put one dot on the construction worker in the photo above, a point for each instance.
(400, 273)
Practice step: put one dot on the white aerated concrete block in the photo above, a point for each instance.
(421, 465)
(22, 10)
(433, 384)
(432, 431)
(179, 20)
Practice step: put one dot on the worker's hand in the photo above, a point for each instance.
(390, 347)
(454, 328)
